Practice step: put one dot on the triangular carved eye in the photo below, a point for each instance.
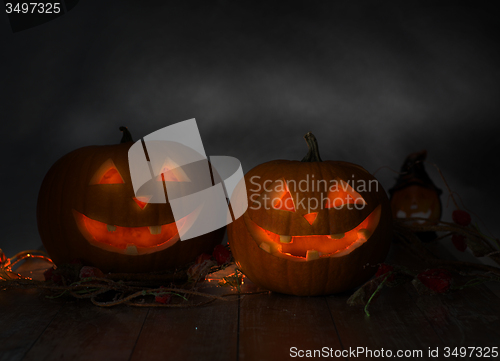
(285, 203)
(171, 172)
(112, 176)
(341, 193)
(107, 174)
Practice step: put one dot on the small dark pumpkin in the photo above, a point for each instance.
(415, 194)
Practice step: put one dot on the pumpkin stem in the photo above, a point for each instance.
(313, 152)
(127, 137)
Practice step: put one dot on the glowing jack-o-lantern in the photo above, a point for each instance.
(87, 210)
(414, 194)
(312, 227)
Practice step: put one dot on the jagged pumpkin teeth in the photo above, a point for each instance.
(285, 239)
(364, 233)
(265, 247)
(341, 253)
(131, 250)
(337, 235)
(312, 255)
(155, 229)
(88, 208)
(341, 241)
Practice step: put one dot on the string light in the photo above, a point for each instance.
(7, 264)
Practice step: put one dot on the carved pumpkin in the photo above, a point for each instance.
(414, 194)
(312, 227)
(87, 210)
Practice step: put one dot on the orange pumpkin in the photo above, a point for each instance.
(87, 210)
(312, 227)
(414, 194)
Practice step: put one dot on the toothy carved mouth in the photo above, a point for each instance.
(130, 240)
(307, 248)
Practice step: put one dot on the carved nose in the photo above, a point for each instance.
(311, 217)
(141, 201)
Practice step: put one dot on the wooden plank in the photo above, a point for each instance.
(494, 287)
(450, 253)
(464, 318)
(404, 320)
(470, 317)
(82, 331)
(208, 332)
(270, 325)
(24, 315)
(395, 323)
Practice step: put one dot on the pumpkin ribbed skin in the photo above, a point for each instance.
(66, 188)
(315, 277)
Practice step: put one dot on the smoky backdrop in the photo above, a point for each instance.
(373, 80)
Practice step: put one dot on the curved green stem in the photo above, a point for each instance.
(313, 152)
(127, 137)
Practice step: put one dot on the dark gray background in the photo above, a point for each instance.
(373, 80)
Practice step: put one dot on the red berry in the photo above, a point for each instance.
(438, 280)
(164, 298)
(48, 274)
(460, 217)
(87, 271)
(384, 269)
(221, 254)
(52, 275)
(459, 242)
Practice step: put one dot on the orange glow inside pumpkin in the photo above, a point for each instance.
(297, 247)
(167, 176)
(171, 172)
(107, 174)
(416, 201)
(342, 193)
(130, 240)
(111, 176)
(142, 201)
(285, 203)
(311, 217)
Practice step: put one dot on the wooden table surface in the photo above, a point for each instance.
(253, 327)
